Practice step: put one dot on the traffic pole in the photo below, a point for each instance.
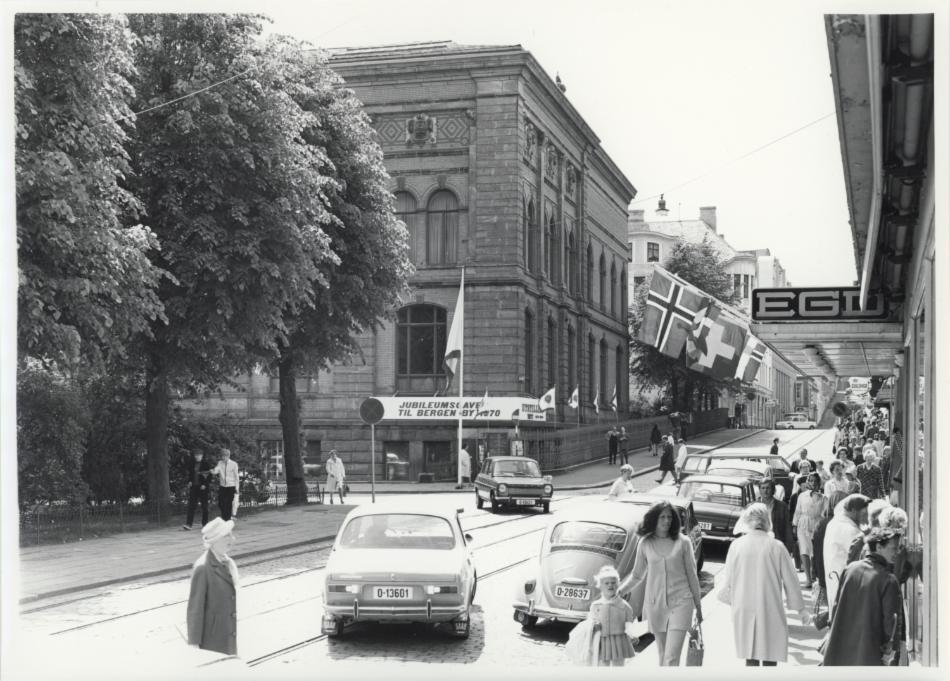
(372, 468)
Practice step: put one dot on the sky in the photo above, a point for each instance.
(675, 91)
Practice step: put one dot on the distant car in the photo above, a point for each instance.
(689, 525)
(700, 462)
(746, 468)
(796, 421)
(396, 468)
(577, 542)
(512, 481)
(400, 562)
(718, 501)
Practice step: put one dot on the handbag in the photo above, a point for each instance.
(695, 650)
(346, 488)
(821, 616)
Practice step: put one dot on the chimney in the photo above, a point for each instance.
(708, 215)
(635, 215)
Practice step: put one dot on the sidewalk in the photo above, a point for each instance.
(58, 569)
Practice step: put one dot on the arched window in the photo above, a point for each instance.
(554, 250)
(531, 226)
(442, 218)
(620, 383)
(406, 211)
(571, 359)
(591, 368)
(613, 290)
(528, 352)
(624, 305)
(590, 274)
(603, 283)
(420, 341)
(552, 353)
(571, 262)
(603, 372)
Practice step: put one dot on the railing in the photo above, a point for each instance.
(44, 524)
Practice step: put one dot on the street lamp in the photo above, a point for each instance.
(661, 208)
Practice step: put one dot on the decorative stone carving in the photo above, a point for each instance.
(552, 163)
(420, 129)
(530, 142)
(570, 181)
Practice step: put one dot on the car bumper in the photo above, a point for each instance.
(360, 611)
(533, 608)
(522, 500)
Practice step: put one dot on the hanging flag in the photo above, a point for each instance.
(696, 338)
(575, 397)
(597, 401)
(753, 352)
(480, 409)
(723, 339)
(547, 400)
(453, 348)
(613, 399)
(671, 306)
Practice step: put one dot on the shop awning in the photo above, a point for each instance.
(835, 348)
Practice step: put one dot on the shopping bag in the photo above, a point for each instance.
(583, 644)
(821, 616)
(695, 650)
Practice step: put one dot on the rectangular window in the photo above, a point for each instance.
(653, 252)
(745, 286)
(312, 456)
(438, 459)
(396, 455)
(272, 458)
(737, 283)
(552, 355)
(591, 368)
(638, 282)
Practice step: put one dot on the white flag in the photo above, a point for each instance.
(547, 400)
(480, 409)
(573, 402)
(613, 399)
(453, 348)
(597, 401)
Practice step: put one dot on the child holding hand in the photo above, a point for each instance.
(612, 617)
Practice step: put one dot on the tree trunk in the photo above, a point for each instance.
(156, 438)
(290, 427)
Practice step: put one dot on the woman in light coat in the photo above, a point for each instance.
(336, 475)
(212, 600)
(758, 570)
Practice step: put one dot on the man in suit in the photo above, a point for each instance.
(781, 523)
(199, 481)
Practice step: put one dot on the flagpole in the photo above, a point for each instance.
(458, 465)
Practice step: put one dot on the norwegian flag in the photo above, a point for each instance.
(753, 352)
(671, 308)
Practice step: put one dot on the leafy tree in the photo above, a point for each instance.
(236, 198)
(86, 285)
(701, 266)
(52, 421)
(371, 267)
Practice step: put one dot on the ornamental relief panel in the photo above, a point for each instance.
(530, 143)
(552, 165)
(570, 180)
(422, 129)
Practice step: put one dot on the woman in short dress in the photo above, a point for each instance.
(810, 508)
(665, 571)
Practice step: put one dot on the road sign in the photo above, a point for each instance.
(371, 411)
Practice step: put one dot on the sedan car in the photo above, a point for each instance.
(796, 421)
(577, 542)
(758, 470)
(399, 562)
(689, 525)
(512, 481)
(701, 463)
(718, 500)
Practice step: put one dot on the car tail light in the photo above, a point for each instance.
(432, 589)
(344, 588)
(529, 586)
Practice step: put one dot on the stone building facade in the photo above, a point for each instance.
(492, 169)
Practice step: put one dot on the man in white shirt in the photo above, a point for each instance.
(336, 476)
(681, 452)
(227, 474)
(465, 467)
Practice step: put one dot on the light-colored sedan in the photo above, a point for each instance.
(577, 543)
(795, 421)
(399, 562)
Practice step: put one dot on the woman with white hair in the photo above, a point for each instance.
(622, 486)
(870, 476)
(757, 581)
(212, 601)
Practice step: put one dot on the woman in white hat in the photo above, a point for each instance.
(212, 603)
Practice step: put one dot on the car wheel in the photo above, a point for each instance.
(701, 559)
(546, 507)
(529, 622)
(479, 503)
(494, 504)
(337, 630)
(464, 630)
(811, 427)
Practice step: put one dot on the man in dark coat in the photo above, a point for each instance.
(864, 624)
(199, 481)
(655, 438)
(774, 450)
(612, 442)
(781, 525)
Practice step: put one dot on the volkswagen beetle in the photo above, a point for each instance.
(399, 562)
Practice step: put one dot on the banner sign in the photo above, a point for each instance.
(815, 305)
(473, 409)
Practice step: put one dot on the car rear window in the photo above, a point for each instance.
(712, 492)
(525, 469)
(398, 531)
(778, 463)
(590, 534)
(694, 464)
(733, 471)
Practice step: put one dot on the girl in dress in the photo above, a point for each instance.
(610, 615)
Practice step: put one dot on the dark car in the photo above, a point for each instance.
(689, 524)
(781, 472)
(744, 468)
(718, 500)
(512, 481)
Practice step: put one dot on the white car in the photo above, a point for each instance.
(399, 562)
(795, 421)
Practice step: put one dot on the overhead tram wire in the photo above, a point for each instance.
(735, 160)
